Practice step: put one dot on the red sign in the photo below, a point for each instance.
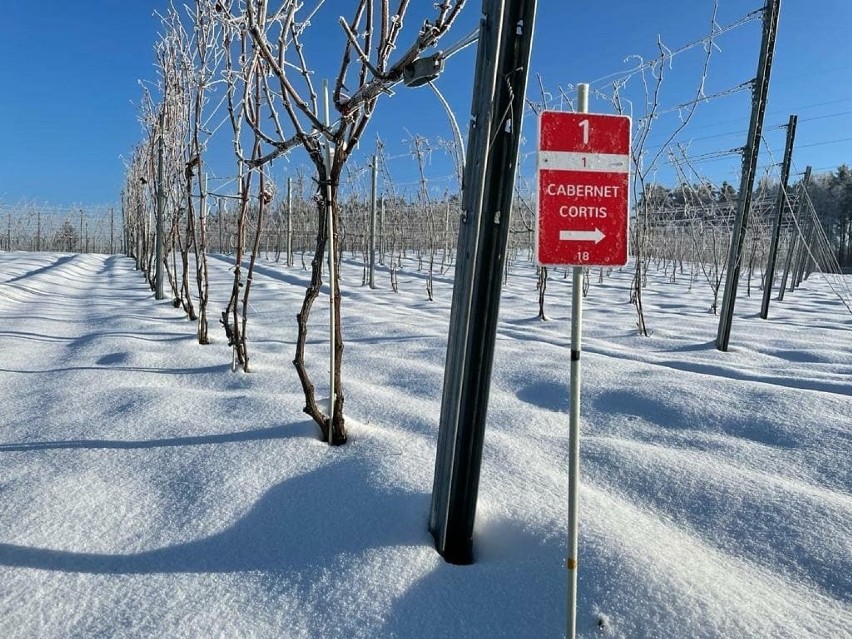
(583, 189)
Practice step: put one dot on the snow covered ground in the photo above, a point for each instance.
(148, 491)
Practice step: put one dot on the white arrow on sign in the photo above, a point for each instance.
(582, 236)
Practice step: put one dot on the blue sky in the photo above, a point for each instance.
(71, 72)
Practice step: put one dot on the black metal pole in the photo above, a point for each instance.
(781, 204)
(804, 246)
(807, 257)
(755, 131)
(505, 40)
(797, 234)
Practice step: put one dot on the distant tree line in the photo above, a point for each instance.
(831, 194)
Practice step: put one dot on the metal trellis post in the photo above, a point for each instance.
(797, 236)
(499, 88)
(755, 131)
(781, 204)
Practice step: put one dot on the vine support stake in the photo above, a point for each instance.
(289, 260)
(373, 222)
(382, 242)
(161, 204)
(331, 266)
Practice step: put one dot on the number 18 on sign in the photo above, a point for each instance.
(583, 188)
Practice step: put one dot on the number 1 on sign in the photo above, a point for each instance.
(584, 124)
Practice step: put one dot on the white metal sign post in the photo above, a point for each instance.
(583, 186)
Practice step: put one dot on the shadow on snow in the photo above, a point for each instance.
(301, 524)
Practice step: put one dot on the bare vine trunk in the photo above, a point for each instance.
(337, 425)
(186, 297)
(542, 289)
(231, 316)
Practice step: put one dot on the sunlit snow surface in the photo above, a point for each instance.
(148, 491)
